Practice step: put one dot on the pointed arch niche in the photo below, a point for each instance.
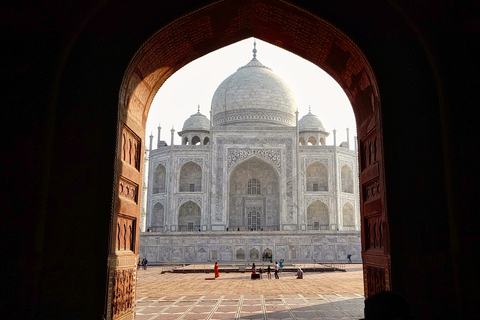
(253, 183)
(277, 22)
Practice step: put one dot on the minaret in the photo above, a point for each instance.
(158, 139)
(151, 141)
(348, 138)
(334, 137)
(173, 132)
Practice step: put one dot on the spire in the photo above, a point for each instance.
(309, 109)
(254, 49)
(198, 109)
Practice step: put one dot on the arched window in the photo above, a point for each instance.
(196, 140)
(347, 179)
(317, 216)
(312, 141)
(191, 177)
(253, 186)
(206, 141)
(159, 178)
(317, 177)
(253, 219)
(302, 141)
(185, 141)
(348, 215)
(240, 255)
(158, 217)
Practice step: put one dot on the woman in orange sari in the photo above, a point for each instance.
(217, 274)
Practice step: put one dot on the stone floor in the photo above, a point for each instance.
(329, 295)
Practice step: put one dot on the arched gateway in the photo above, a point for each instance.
(278, 23)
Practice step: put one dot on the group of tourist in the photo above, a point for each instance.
(143, 263)
(267, 256)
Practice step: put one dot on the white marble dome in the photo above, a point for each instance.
(253, 95)
(310, 122)
(196, 122)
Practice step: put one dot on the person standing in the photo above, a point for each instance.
(145, 262)
(277, 267)
(215, 269)
(269, 274)
(281, 265)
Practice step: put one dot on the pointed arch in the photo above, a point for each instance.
(318, 216)
(347, 179)
(189, 216)
(158, 217)
(159, 178)
(317, 177)
(190, 177)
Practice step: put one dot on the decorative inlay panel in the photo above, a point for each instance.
(325, 199)
(375, 280)
(253, 115)
(374, 232)
(371, 190)
(182, 161)
(131, 148)
(181, 200)
(309, 161)
(123, 291)
(125, 233)
(128, 189)
(368, 150)
(235, 155)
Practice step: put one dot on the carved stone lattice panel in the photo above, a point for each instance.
(182, 161)
(236, 155)
(374, 233)
(375, 280)
(131, 148)
(126, 227)
(181, 200)
(372, 190)
(368, 150)
(123, 292)
(128, 189)
(325, 199)
(309, 161)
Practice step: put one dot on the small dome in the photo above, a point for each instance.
(310, 122)
(196, 122)
(253, 95)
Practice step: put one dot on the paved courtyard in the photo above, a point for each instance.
(329, 295)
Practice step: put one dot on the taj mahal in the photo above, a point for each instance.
(252, 178)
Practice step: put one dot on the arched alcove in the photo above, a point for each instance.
(347, 179)
(158, 218)
(251, 183)
(190, 177)
(318, 216)
(159, 177)
(317, 177)
(189, 216)
(328, 48)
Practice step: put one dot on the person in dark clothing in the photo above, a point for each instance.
(349, 256)
(145, 262)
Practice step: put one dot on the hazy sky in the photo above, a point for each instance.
(196, 83)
